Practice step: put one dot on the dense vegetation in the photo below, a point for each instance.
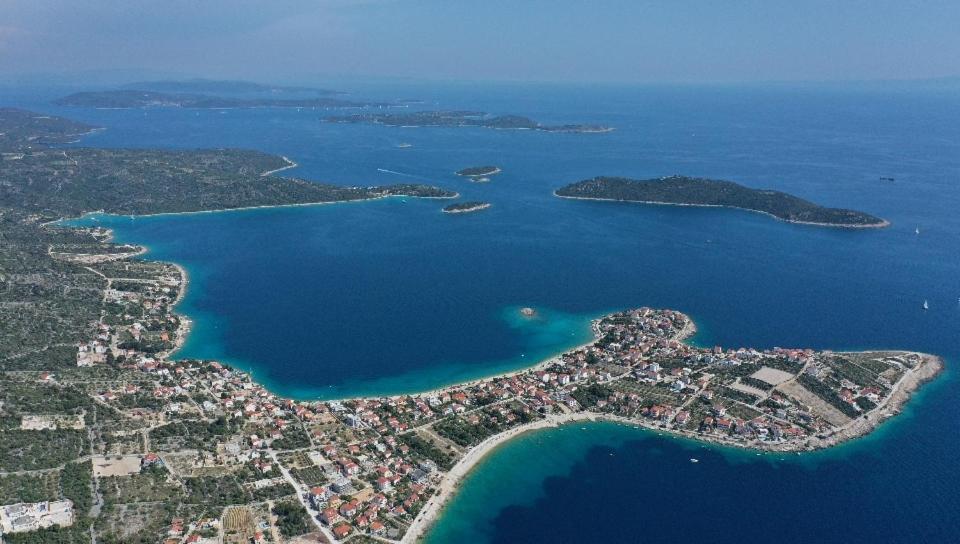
(476, 171)
(33, 450)
(21, 129)
(459, 119)
(470, 206)
(589, 395)
(292, 518)
(428, 450)
(126, 181)
(709, 192)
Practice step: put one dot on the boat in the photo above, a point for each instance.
(917, 230)
(926, 305)
(692, 460)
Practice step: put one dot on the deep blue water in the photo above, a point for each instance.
(392, 295)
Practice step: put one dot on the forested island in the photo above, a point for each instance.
(464, 207)
(689, 191)
(461, 119)
(479, 171)
(138, 98)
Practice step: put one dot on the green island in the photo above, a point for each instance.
(465, 207)
(476, 173)
(106, 437)
(461, 119)
(138, 98)
(689, 191)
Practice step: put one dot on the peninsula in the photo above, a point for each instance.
(466, 207)
(688, 191)
(461, 119)
(106, 436)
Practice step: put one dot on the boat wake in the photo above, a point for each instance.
(394, 172)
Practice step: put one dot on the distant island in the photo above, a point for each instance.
(218, 86)
(688, 191)
(460, 119)
(136, 98)
(465, 207)
(479, 171)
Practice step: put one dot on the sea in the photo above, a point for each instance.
(392, 296)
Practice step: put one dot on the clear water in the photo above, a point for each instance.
(391, 296)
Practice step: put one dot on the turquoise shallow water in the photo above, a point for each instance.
(606, 482)
(392, 295)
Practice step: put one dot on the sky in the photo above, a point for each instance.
(517, 40)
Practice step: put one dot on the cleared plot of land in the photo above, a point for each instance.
(832, 415)
(41, 422)
(744, 388)
(238, 525)
(771, 375)
(112, 466)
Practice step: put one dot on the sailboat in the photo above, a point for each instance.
(926, 305)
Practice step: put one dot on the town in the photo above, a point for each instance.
(196, 451)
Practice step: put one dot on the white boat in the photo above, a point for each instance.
(692, 460)
(917, 230)
(926, 305)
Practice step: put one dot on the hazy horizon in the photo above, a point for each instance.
(535, 41)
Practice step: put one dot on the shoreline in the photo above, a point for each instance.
(496, 170)
(247, 208)
(882, 224)
(185, 324)
(930, 367)
(484, 206)
(544, 363)
(451, 481)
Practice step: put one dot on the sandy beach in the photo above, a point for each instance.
(908, 383)
(450, 483)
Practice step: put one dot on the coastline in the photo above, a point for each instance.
(883, 222)
(449, 484)
(451, 481)
(265, 206)
(468, 210)
(929, 369)
(185, 324)
(496, 170)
